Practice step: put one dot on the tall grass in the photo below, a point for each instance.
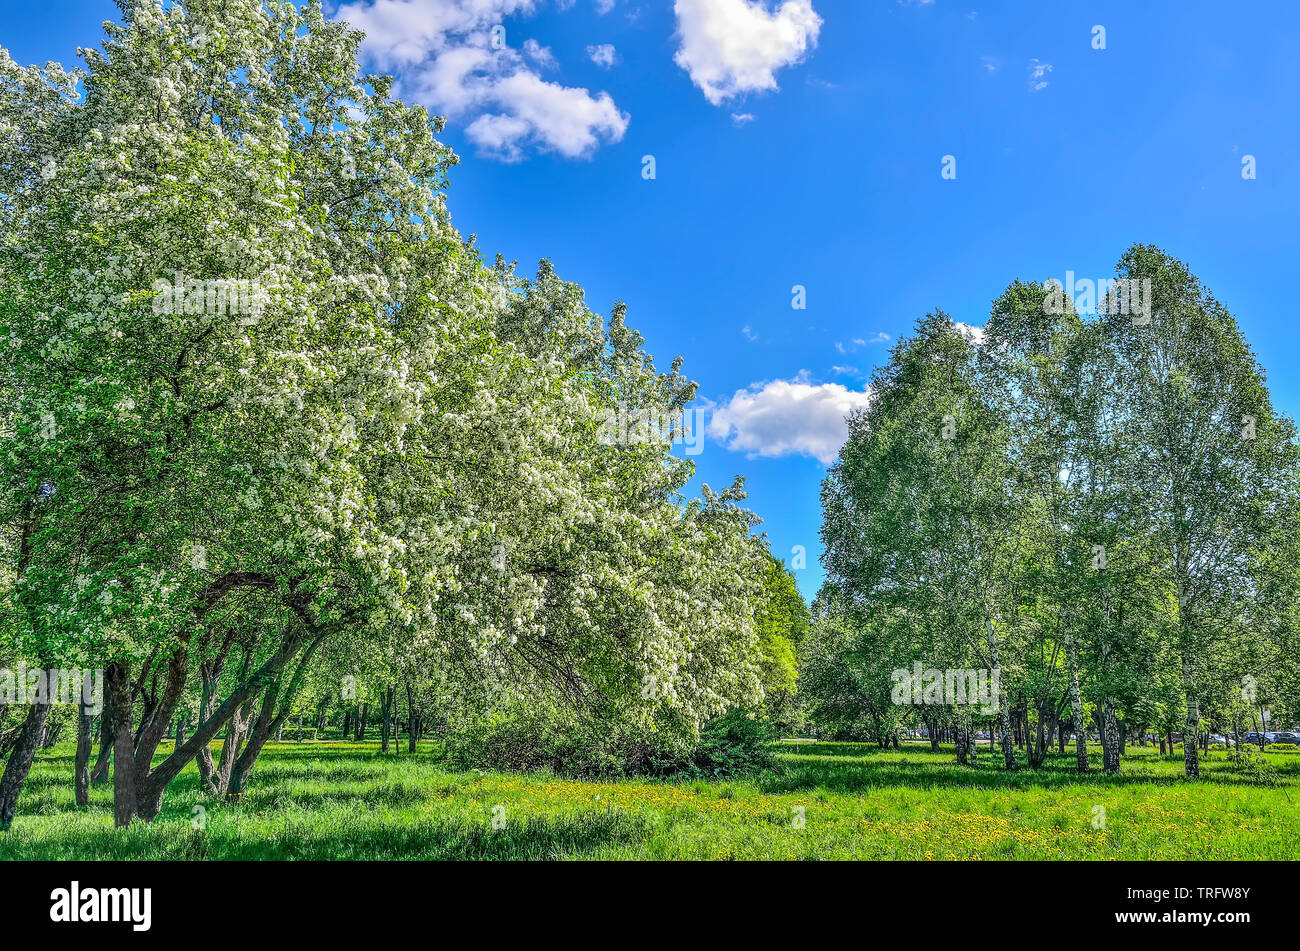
(823, 801)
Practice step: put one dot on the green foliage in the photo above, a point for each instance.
(781, 619)
(735, 744)
(525, 738)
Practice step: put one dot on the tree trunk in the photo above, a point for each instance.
(965, 739)
(268, 720)
(117, 677)
(81, 764)
(210, 672)
(259, 733)
(154, 783)
(1191, 764)
(1110, 744)
(20, 762)
(1004, 715)
(412, 720)
(1037, 740)
(237, 730)
(386, 713)
(1076, 704)
(105, 755)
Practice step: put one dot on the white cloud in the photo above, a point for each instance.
(748, 332)
(444, 56)
(852, 345)
(603, 55)
(991, 63)
(1037, 71)
(539, 54)
(787, 417)
(731, 47)
(405, 32)
(559, 118)
(499, 133)
(741, 118)
(604, 6)
(974, 334)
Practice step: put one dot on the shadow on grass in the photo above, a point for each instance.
(293, 777)
(303, 838)
(860, 767)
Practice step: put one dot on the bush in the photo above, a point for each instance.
(525, 740)
(736, 742)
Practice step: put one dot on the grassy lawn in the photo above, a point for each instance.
(346, 801)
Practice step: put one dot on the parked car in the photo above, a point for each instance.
(1285, 738)
(1217, 740)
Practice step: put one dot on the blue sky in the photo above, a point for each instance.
(802, 143)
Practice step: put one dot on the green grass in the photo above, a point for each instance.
(346, 801)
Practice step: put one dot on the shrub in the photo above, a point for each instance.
(527, 739)
(524, 740)
(736, 742)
